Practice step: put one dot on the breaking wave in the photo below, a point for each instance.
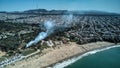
(74, 59)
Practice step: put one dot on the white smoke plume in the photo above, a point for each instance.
(68, 19)
(50, 27)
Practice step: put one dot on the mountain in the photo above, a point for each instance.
(44, 11)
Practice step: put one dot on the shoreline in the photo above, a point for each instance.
(74, 56)
(66, 52)
(71, 60)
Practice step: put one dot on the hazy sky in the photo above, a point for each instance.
(21, 5)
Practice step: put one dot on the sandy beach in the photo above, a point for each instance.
(2, 53)
(51, 56)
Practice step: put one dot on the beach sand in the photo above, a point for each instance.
(50, 56)
(2, 53)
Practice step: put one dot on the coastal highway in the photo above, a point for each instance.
(15, 58)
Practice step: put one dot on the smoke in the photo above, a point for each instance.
(50, 27)
(68, 19)
(42, 35)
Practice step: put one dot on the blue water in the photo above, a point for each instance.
(105, 59)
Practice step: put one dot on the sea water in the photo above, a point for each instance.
(101, 58)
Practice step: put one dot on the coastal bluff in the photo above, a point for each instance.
(51, 56)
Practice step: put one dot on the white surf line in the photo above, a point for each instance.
(74, 59)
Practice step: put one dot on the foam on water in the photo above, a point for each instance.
(74, 59)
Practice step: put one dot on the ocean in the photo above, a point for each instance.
(102, 58)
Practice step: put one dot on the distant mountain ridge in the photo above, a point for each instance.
(44, 11)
